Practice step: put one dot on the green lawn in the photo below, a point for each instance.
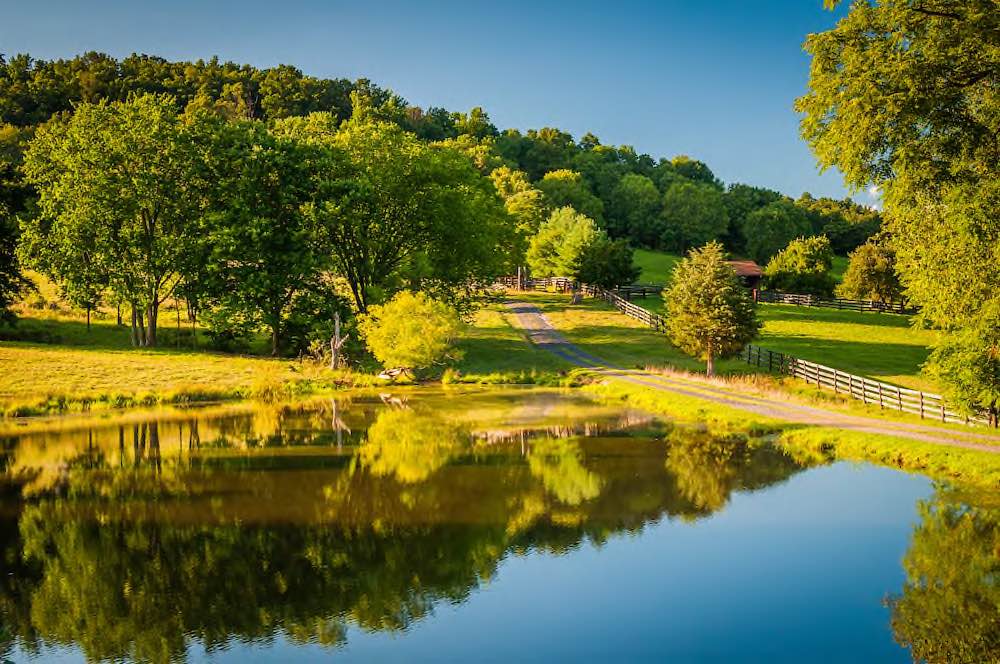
(656, 266)
(839, 267)
(882, 346)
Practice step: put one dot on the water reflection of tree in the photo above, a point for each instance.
(409, 446)
(709, 467)
(423, 516)
(949, 609)
(558, 463)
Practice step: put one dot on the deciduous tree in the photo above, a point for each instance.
(125, 175)
(566, 188)
(769, 229)
(411, 331)
(559, 247)
(693, 214)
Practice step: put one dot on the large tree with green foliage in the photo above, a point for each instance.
(265, 251)
(802, 267)
(608, 263)
(634, 212)
(558, 249)
(12, 282)
(693, 214)
(710, 314)
(124, 176)
(741, 200)
(408, 215)
(902, 95)
(567, 188)
(769, 229)
(967, 362)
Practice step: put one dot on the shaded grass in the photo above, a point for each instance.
(839, 268)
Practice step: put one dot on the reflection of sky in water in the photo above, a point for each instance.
(793, 573)
(795, 570)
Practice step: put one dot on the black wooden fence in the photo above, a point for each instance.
(924, 404)
(778, 297)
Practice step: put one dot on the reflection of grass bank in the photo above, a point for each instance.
(973, 467)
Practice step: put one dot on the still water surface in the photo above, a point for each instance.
(475, 525)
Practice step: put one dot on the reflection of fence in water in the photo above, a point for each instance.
(520, 434)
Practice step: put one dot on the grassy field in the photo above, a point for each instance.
(882, 346)
(656, 266)
(50, 362)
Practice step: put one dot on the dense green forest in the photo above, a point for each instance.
(267, 199)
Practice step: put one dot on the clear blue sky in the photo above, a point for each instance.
(714, 80)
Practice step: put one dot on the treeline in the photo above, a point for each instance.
(354, 184)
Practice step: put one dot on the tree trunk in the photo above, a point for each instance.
(177, 310)
(88, 318)
(141, 337)
(710, 364)
(276, 335)
(135, 327)
(119, 314)
(335, 342)
(152, 312)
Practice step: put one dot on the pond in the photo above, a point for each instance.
(475, 525)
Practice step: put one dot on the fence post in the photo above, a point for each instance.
(921, 405)
(943, 416)
(770, 361)
(880, 405)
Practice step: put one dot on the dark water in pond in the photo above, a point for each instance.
(476, 525)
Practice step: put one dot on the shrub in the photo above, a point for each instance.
(871, 274)
(411, 331)
(802, 267)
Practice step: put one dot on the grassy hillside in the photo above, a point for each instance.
(656, 266)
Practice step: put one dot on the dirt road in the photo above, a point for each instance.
(541, 333)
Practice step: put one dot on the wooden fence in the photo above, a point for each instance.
(924, 404)
(777, 297)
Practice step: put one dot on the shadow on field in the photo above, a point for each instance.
(103, 334)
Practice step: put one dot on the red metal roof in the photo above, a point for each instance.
(746, 268)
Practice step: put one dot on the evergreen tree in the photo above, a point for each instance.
(709, 313)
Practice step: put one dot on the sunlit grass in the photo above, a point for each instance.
(884, 347)
(655, 266)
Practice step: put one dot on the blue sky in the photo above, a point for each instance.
(714, 80)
